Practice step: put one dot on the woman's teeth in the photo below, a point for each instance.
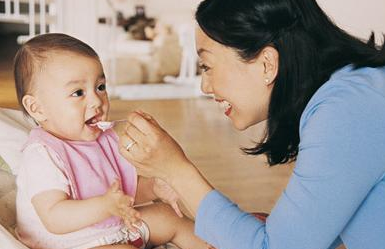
(225, 105)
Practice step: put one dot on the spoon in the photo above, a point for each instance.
(105, 125)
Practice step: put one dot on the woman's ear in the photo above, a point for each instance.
(270, 57)
(33, 108)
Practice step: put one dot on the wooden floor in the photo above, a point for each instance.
(209, 140)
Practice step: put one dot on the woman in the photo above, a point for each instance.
(322, 93)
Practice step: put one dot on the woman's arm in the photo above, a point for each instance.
(328, 186)
(335, 189)
(150, 189)
(156, 154)
(144, 190)
(191, 186)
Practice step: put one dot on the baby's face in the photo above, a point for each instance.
(71, 89)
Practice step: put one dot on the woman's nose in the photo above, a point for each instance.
(206, 87)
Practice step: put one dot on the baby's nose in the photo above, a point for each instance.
(95, 101)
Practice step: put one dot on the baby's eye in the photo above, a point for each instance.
(77, 93)
(102, 87)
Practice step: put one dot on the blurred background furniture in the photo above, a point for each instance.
(41, 17)
(136, 48)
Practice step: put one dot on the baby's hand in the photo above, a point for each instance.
(132, 218)
(120, 205)
(167, 194)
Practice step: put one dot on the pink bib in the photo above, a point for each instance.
(90, 167)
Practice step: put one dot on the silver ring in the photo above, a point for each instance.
(129, 145)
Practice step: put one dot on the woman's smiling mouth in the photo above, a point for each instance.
(225, 105)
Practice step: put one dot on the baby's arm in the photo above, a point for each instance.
(60, 215)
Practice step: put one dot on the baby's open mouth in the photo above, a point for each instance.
(92, 121)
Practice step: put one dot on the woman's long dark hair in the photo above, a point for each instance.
(310, 46)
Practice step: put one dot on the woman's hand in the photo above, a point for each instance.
(153, 151)
(167, 194)
(121, 205)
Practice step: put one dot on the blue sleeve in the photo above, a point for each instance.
(342, 133)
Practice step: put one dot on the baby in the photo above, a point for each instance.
(74, 189)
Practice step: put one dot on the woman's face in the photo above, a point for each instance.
(243, 88)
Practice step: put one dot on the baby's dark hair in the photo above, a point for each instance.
(35, 51)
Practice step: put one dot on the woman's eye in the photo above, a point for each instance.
(77, 93)
(102, 87)
(204, 67)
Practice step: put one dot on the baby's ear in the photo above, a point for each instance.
(33, 108)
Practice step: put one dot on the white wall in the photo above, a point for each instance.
(169, 11)
(80, 20)
(80, 17)
(357, 17)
